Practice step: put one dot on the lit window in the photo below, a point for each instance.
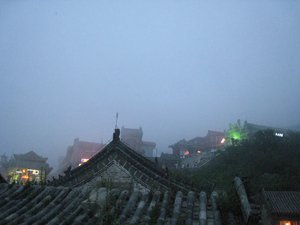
(35, 172)
(279, 134)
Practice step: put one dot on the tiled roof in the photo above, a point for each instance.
(30, 156)
(82, 201)
(211, 140)
(283, 203)
(102, 205)
(116, 153)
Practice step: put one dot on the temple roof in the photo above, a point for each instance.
(35, 204)
(32, 156)
(118, 154)
(72, 200)
(283, 203)
(203, 142)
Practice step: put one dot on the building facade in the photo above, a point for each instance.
(212, 141)
(134, 139)
(240, 131)
(79, 153)
(28, 167)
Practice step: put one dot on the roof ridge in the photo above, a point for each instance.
(124, 153)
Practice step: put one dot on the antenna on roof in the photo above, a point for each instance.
(116, 135)
(117, 116)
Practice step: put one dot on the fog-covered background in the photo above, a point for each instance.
(176, 68)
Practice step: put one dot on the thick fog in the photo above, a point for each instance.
(176, 68)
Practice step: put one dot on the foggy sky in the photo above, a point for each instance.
(176, 68)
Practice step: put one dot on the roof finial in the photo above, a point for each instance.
(116, 135)
(117, 116)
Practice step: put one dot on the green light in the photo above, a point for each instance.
(235, 135)
(236, 132)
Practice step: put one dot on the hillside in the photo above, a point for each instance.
(265, 161)
(295, 128)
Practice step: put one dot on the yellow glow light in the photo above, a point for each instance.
(285, 222)
(84, 160)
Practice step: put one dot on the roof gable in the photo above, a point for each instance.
(31, 155)
(117, 154)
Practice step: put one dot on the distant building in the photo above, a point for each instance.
(213, 140)
(281, 208)
(169, 160)
(79, 153)
(28, 167)
(239, 131)
(134, 139)
(148, 148)
(252, 129)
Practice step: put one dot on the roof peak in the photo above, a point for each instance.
(116, 135)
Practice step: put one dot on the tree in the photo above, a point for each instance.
(236, 133)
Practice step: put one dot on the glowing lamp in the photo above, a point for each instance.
(186, 152)
(84, 160)
(285, 223)
(223, 140)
